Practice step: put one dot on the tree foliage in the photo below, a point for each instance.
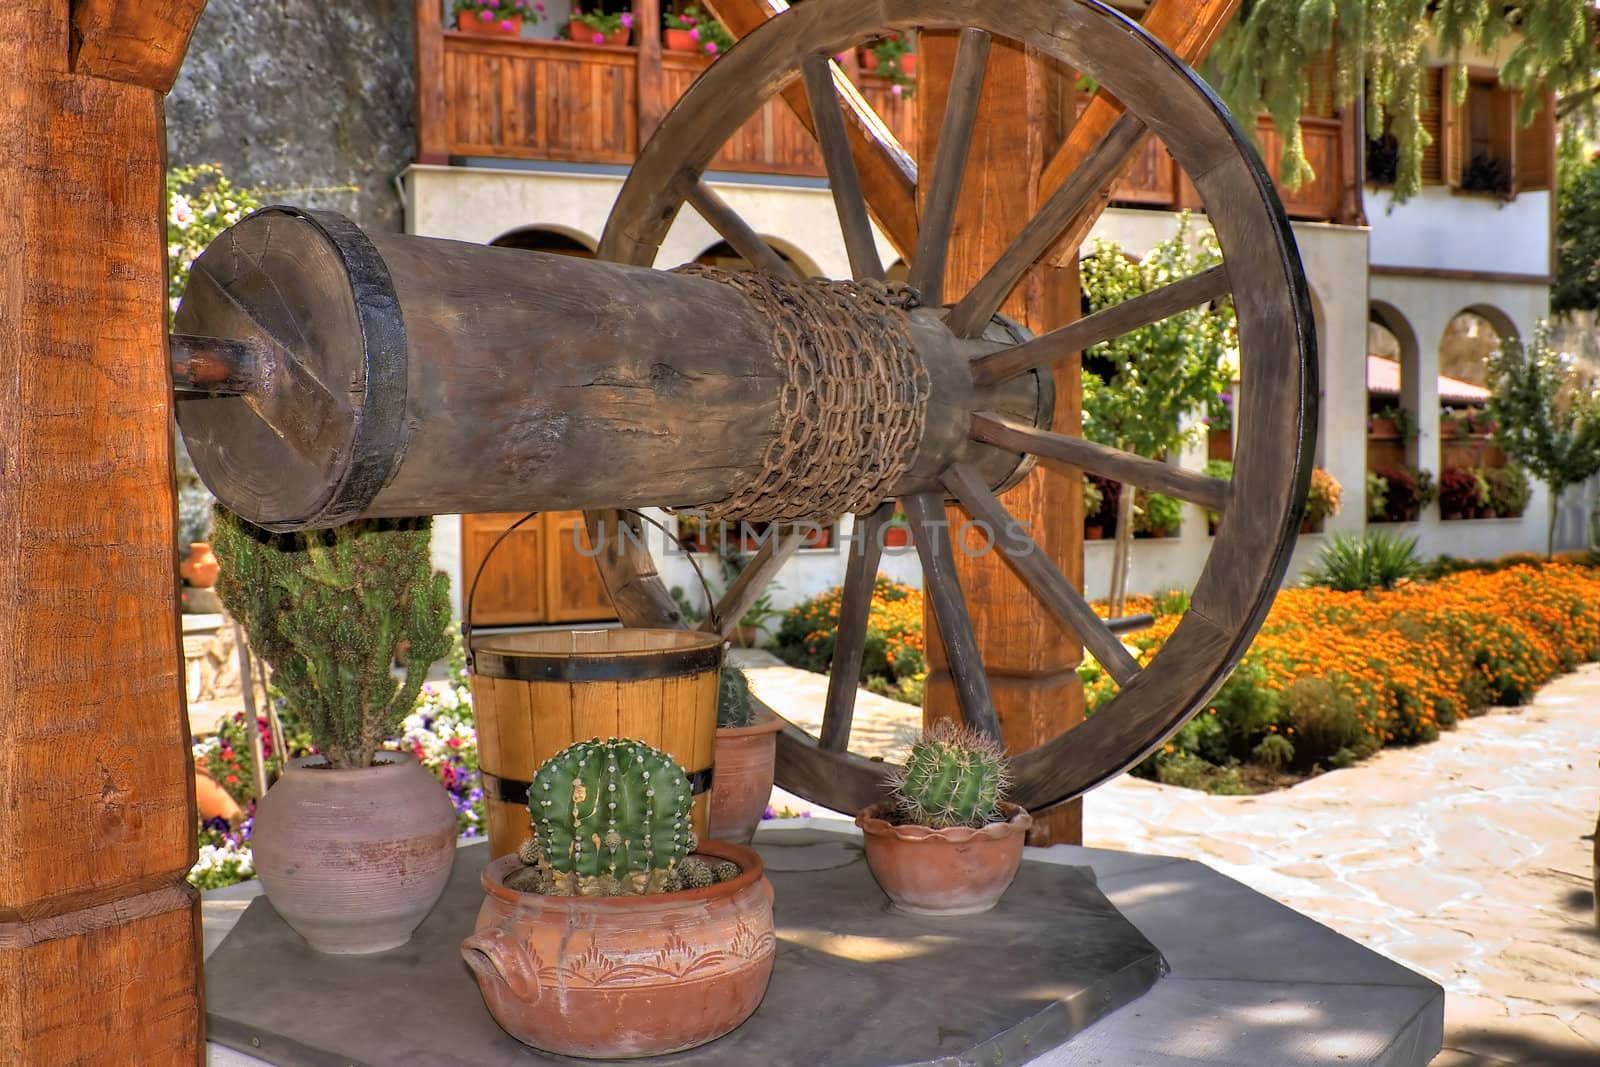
(1263, 57)
(1577, 284)
(1546, 415)
(328, 610)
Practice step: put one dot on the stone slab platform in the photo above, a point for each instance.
(855, 983)
(1252, 982)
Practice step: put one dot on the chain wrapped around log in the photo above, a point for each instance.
(386, 374)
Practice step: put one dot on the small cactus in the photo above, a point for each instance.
(733, 699)
(953, 777)
(528, 852)
(726, 871)
(610, 818)
(696, 875)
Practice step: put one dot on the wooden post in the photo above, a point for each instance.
(1031, 662)
(99, 934)
(433, 134)
(652, 83)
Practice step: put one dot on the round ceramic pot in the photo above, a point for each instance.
(201, 568)
(741, 782)
(959, 871)
(622, 977)
(354, 860)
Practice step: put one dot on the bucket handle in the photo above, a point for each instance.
(472, 591)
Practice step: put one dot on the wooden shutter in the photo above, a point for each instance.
(1452, 155)
(1503, 127)
(1432, 121)
(1536, 149)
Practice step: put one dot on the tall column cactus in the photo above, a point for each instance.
(327, 609)
(609, 818)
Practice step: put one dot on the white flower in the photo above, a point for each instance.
(181, 214)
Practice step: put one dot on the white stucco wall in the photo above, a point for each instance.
(481, 203)
(1445, 230)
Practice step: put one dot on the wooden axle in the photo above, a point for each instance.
(336, 374)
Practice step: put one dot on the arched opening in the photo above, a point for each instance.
(561, 242)
(723, 255)
(1475, 481)
(1396, 488)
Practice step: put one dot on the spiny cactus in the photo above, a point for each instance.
(733, 699)
(726, 871)
(610, 818)
(696, 875)
(328, 608)
(954, 777)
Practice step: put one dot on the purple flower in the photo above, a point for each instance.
(486, 15)
(539, 6)
(694, 34)
(598, 38)
(507, 25)
(711, 48)
(627, 20)
(895, 90)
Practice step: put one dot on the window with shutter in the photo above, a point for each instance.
(1485, 129)
(1535, 144)
(1432, 119)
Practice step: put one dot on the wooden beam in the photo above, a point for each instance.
(888, 176)
(141, 42)
(433, 132)
(652, 96)
(99, 934)
(1189, 28)
(1030, 661)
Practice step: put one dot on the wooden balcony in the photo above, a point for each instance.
(487, 98)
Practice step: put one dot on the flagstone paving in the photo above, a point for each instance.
(1467, 859)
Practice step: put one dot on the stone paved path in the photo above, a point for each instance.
(1466, 859)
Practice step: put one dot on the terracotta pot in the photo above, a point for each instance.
(679, 41)
(201, 568)
(747, 635)
(741, 782)
(213, 800)
(583, 34)
(354, 860)
(944, 872)
(896, 536)
(621, 977)
(908, 64)
(469, 22)
(1094, 533)
(869, 61)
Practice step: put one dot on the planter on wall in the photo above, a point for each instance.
(680, 40)
(584, 34)
(469, 22)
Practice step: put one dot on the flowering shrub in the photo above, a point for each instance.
(1323, 498)
(894, 663)
(1340, 674)
(1407, 491)
(710, 35)
(602, 25)
(201, 203)
(500, 12)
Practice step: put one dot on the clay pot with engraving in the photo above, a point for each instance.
(354, 860)
(622, 977)
(956, 871)
(743, 761)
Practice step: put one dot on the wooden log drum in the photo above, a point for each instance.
(338, 374)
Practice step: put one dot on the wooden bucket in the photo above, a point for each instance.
(533, 694)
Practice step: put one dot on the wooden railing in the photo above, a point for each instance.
(528, 98)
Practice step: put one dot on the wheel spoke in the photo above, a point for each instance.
(756, 576)
(850, 641)
(942, 585)
(1103, 325)
(950, 168)
(1099, 168)
(731, 225)
(1041, 576)
(843, 180)
(1112, 463)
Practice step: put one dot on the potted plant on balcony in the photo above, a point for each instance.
(1322, 500)
(1463, 494)
(611, 933)
(744, 760)
(891, 58)
(597, 27)
(1157, 515)
(897, 533)
(1093, 501)
(353, 846)
(694, 30)
(1509, 490)
(495, 18)
(946, 842)
(1221, 469)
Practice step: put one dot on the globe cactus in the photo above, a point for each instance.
(733, 699)
(953, 777)
(610, 818)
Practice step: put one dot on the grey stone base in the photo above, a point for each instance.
(1251, 981)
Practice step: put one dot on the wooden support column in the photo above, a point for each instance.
(1031, 661)
(652, 96)
(99, 934)
(433, 136)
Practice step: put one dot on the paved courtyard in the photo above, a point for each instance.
(1467, 859)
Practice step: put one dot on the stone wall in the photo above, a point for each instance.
(310, 100)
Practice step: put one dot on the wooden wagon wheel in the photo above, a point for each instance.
(1261, 508)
